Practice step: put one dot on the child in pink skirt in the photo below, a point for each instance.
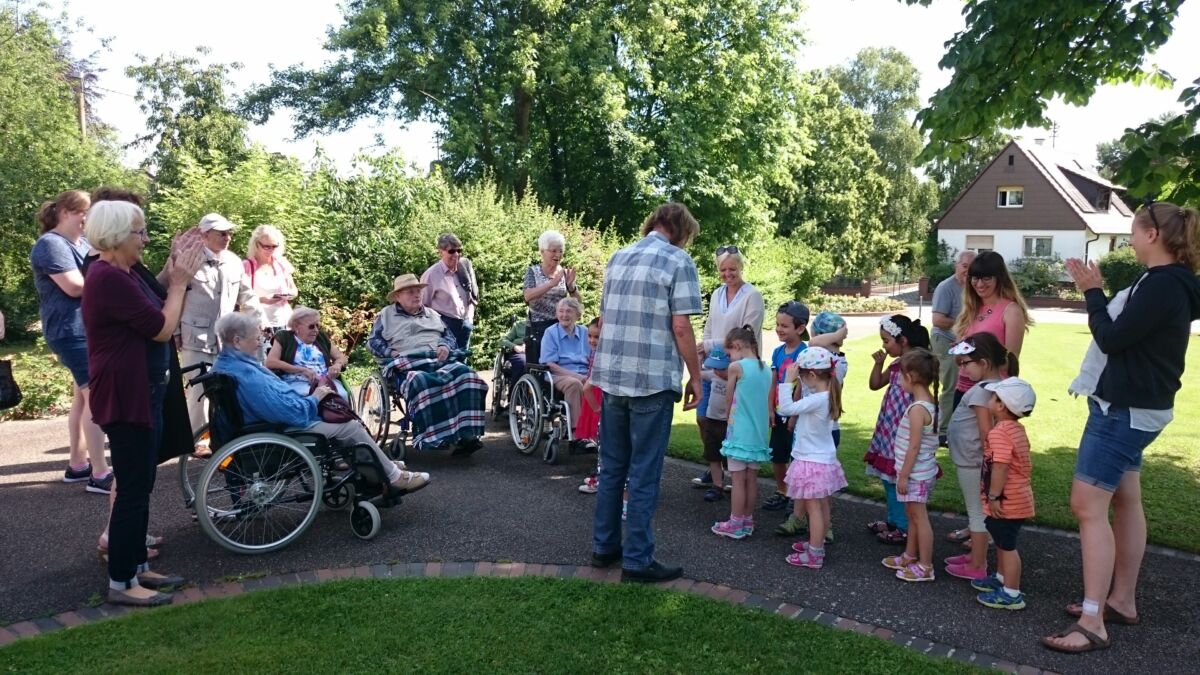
(815, 473)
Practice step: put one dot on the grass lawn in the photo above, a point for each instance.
(534, 625)
(1171, 467)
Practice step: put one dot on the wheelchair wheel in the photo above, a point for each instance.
(398, 448)
(498, 388)
(190, 468)
(365, 520)
(525, 414)
(258, 493)
(554, 449)
(340, 498)
(375, 406)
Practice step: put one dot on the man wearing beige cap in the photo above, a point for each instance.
(218, 288)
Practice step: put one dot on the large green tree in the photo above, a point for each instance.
(42, 150)
(840, 196)
(883, 83)
(599, 108)
(1012, 58)
(189, 115)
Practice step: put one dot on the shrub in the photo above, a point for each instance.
(844, 304)
(939, 273)
(1037, 276)
(45, 384)
(1120, 269)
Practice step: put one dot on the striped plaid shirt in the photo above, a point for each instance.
(645, 286)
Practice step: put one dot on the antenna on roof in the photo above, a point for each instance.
(1053, 134)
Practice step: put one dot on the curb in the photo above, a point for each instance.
(505, 569)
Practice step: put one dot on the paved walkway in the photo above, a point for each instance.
(499, 505)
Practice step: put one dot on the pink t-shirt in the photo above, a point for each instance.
(989, 320)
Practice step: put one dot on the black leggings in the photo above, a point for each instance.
(134, 452)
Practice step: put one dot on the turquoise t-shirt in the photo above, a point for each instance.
(749, 421)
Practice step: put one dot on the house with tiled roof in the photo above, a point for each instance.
(1030, 202)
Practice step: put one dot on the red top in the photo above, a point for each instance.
(118, 319)
(989, 320)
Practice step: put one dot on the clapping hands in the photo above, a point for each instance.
(1085, 274)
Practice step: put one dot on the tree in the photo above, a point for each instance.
(600, 108)
(1111, 157)
(840, 195)
(188, 115)
(883, 83)
(42, 151)
(1014, 57)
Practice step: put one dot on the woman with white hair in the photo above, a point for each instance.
(265, 398)
(545, 285)
(270, 276)
(303, 353)
(128, 327)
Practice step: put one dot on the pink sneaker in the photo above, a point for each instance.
(964, 559)
(965, 572)
(800, 546)
(726, 528)
(806, 559)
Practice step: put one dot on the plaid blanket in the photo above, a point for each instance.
(445, 399)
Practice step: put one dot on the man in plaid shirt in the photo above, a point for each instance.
(650, 290)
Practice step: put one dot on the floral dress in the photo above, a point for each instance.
(880, 457)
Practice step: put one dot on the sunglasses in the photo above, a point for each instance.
(454, 251)
(728, 249)
(1148, 207)
(269, 247)
(312, 326)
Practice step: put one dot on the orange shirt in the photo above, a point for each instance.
(1008, 444)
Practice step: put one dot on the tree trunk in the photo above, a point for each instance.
(522, 110)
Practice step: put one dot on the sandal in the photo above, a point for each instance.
(1095, 642)
(959, 535)
(1111, 615)
(151, 542)
(893, 537)
(875, 527)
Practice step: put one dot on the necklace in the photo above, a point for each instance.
(981, 317)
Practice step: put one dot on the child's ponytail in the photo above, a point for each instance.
(916, 335)
(835, 396)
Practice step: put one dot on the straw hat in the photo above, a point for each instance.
(402, 282)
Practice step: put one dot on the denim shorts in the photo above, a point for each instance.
(1109, 447)
(72, 353)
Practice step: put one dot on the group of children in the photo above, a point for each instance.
(787, 414)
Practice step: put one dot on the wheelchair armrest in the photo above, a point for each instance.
(262, 427)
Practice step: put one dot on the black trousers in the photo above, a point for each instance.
(134, 452)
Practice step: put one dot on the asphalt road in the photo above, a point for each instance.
(500, 505)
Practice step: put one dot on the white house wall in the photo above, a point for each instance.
(1010, 243)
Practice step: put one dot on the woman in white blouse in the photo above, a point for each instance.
(270, 275)
(734, 304)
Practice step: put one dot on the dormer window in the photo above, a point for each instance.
(1010, 197)
(1103, 198)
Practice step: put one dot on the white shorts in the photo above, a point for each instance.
(739, 465)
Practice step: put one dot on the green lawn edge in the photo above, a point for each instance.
(462, 625)
(1171, 465)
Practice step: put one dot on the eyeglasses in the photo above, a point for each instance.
(982, 280)
(1148, 207)
(141, 234)
(454, 251)
(962, 362)
(269, 247)
(727, 249)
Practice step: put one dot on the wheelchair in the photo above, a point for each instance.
(264, 483)
(537, 415)
(383, 410)
(502, 384)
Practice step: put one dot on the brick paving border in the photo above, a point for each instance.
(496, 569)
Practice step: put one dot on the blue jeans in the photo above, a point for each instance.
(460, 329)
(633, 441)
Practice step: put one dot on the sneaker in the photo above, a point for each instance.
(703, 481)
(792, 527)
(590, 486)
(829, 536)
(713, 494)
(776, 502)
(998, 599)
(915, 572)
(101, 486)
(966, 572)
(800, 546)
(410, 481)
(897, 562)
(962, 559)
(77, 476)
(807, 559)
(748, 529)
(726, 528)
(987, 584)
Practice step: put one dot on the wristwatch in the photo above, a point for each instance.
(994, 498)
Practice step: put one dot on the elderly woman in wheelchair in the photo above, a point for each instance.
(302, 353)
(423, 376)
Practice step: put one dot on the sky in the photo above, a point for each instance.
(261, 34)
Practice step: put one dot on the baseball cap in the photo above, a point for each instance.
(815, 358)
(1016, 394)
(717, 359)
(826, 322)
(795, 309)
(215, 221)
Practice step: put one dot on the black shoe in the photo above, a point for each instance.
(467, 447)
(943, 442)
(776, 502)
(606, 559)
(655, 573)
(101, 486)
